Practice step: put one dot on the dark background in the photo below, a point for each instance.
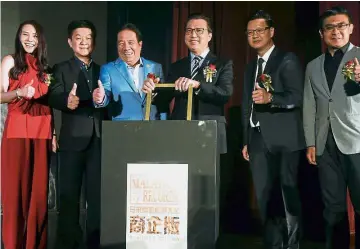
(162, 25)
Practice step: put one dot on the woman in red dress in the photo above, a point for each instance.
(26, 140)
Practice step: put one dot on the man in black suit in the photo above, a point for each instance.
(79, 138)
(210, 93)
(273, 133)
(211, 78)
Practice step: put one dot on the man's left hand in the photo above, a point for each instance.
(182, 84)
(260, 95)
(357, 70)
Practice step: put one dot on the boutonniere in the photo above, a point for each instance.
(265, 80)
(48, 79)
(152, 76)
(209, 72)
(348, 70)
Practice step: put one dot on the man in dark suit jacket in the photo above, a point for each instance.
(212, 80)
(79, 138)
(273, 133)
(210, 76)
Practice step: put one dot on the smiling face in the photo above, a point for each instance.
(260, 35)
(129, 48)
(81, 42)
(29, 38)
(197, 36)
(336, 31)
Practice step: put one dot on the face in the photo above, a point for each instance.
(259, 34)
(129, 48)
(197, 36)
(29, 38)
(81, 42)
(336, 31)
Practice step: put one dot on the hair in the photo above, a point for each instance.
(40, 53)
(82, 24)
(201, 16)
(337, 10)
(261, 14)
(132, 27)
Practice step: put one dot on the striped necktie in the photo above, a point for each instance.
(195, 67)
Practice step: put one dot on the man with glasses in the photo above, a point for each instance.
(332, 124)
(210, 76)
(273, 133)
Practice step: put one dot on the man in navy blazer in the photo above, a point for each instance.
(121, 80)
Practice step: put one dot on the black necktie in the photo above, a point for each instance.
(260, 69)
(195, 68)
(259, 72)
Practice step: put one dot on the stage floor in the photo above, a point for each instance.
(234, 241)
(226, 241)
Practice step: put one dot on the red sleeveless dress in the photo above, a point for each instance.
(25, 152)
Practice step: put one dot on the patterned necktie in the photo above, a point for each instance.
(196, 66)
(259, 72)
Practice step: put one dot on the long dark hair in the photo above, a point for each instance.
(40, 53)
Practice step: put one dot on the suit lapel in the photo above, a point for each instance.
(251, 79)
(122, 68)
(209, 59)
(148, 68)
(186, 68)
(339, 78)
(272, 62)
(75, 70)
(323, 76)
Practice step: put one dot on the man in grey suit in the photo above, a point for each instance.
(331, 113)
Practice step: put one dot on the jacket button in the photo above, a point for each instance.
(330, 100)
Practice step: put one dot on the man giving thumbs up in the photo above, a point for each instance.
(76, 81)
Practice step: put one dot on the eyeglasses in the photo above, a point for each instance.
(339, 26)
(257, 31)
(198, 31)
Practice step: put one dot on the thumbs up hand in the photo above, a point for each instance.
(27, 91)
(357, 70)
(99, 93)
(73, 100)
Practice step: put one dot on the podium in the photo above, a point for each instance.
(158, 143)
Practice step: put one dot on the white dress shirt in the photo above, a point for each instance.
(137, 74)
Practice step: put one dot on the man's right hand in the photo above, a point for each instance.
(99, 93)
(311, 155)
(149, 85)
(73, 100)
(245, 153)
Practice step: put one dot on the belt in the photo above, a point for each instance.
(256, 129)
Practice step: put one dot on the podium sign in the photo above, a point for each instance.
(156, 206)
(159, 185)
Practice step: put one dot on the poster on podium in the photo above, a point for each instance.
(157, 206)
